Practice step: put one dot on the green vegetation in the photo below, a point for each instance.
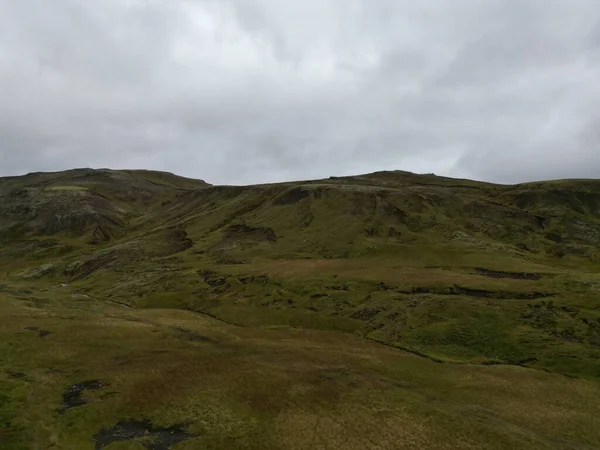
(381, 311)
(66, 188)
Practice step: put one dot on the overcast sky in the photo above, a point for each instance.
(251, 91)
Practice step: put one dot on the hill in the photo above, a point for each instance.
(475, 290)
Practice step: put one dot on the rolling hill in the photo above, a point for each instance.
(386, 310)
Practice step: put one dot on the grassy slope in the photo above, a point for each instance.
(494, 281)
(252, 388)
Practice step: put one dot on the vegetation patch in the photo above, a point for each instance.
(66, 188)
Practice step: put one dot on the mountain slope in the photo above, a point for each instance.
(138, 305)
(58, 213)
(452, 269)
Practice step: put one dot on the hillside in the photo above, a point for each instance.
(450, 306)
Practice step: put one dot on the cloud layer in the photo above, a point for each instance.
(266, 90)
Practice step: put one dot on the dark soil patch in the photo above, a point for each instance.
(14, 374)
(73, 397)
(177, 240)
(291, 197)
(143, 432)
(419, 353)
(513, 275)
(214, 280)
(240, 231)
(554, 237)
(479, 293)
(395, 213)
(343, 287)
(260, 279)
(526, 361)
(231, 217)
(193, 336)
(41, 333)
(366, 313)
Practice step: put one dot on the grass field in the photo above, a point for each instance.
(256, 388)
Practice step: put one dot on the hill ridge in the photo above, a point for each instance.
(405, 245)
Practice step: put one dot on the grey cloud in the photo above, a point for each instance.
(271, 90)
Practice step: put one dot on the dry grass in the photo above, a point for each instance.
(273, 389)
(380, 270)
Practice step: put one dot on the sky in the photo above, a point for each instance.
(254, 91)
